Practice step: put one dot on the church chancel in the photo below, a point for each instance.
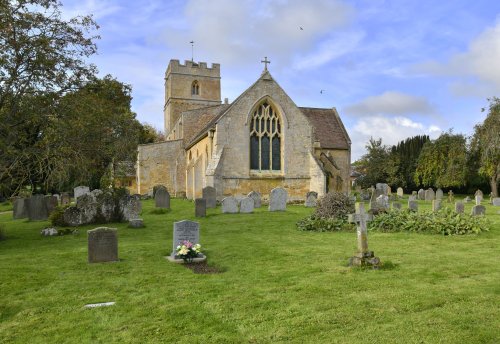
(260, 141)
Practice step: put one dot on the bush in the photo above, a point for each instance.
(334, 205)
(57, 216)
(445, 221)
(312, 223)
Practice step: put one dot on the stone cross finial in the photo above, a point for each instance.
(363, 257)
(265, 62)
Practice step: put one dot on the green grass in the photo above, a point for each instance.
(6, 206)
(278, 285)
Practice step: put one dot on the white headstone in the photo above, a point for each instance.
(246, 205)
(257, 202)
(277, 199)
(229, 205)
(400, 192)
(439, 194)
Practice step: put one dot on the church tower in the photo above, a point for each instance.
(189, 86)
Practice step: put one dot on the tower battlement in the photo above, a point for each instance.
(193, 68)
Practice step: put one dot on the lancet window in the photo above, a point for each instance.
(265, 139)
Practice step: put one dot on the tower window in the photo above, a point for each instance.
(195, 88)
(265, 139)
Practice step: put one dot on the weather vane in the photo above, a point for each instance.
(265, 62)
(192, 51)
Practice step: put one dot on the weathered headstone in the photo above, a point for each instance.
(400, 192)
(130, 206)
(413, 205)
(51, 203)
(439, 194)
(363, 257)
(87, 206)
(436, 204)
(412, 198)
(479, 193)
(421, 194)
(209, 193)
(20, 208)
(102, 245)
(496, 201)
(162, 198)
(277, 199)
(257, 199)
(384, 188)
(382, 203)
(450, 196)
(65, 198)
(467, 199)
(311, 199)
(459, 207)
(429, 194)
(229, 205)
(478, 210)
(185, 231)
(246, 205)
(478, 200)
(136, 223)
(396, 205)
(79, 191)
(200, 207)
(37, 208)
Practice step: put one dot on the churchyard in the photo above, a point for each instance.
(274, 283)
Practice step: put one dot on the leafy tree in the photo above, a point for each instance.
(486, 145)
(150, 134)
(406, 154)
(374, 164)
(443, 162)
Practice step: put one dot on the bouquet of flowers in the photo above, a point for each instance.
(186, 250)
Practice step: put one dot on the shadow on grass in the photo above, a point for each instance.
(387, 265)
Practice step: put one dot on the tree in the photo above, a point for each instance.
(406, 154)
(374, 165)
(443, 162)
(150, 134)
(486, 144)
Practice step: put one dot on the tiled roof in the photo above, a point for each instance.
(197, 122)
(328, 128)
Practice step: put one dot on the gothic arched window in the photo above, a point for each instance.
(195, 88)
(265, 139)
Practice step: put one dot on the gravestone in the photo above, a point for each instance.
(37, 208)
(136, 223)
(102, 245)
(496, 201)
(478, 200)
(450, 196)
(479, 193)
(467, 199)
(413, 205)
(185, 231)
(209, 193)
(277, 199)
(365, 195)
(439, 194)
(436, 204)
(400, 192)
(396, 205)
(200, 207)
(20, 208)
(376, 193)
(421, 194)
(478, 210)
(51, 203)
(246, 205)
(382, 202)
(79, 191)
(459, 207)
(65, 198)
(311, 199)
(130, 206)
(230, 205)
(162, 198)
(384, 188)
(87, 206)
(429, 194)
(412, 198)
(58, 198)
(257, 200)
(363, 257)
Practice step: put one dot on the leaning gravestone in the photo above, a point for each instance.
(459, 207)
(246, 205)
(421, 194)
(200, 207)
(413, 205)
(230, 205)
(37, 208)
(257, 201)
(436, 204)
(20, 208)
(439, 194)
(496, 201)
(209, 193)
(429, 194)
(162, 198)
(311, 199)
(400, 192)
(102, 245)
(478, 210)
(277, 199)
(80, 190)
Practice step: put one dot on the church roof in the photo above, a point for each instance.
(197, 122)
(328, 128)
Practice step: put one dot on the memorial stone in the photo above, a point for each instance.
(20, 208)
(230, 205)
(478, 200)
(257, 200)
(479, 193)
(37, 208)
(311, 199)
(396, 205)
(429, 194)
(277, 199)
(80, 190)
(102, 245)
(421, 194)
(136, 223)
(246, 205)
(382, 202)
(384, 188)
(200, 207)
(451, 198)
(459, 207)
(185, 231)
(478, 210)
(467, 199)
(496, 201)
(65, 198)
(400, 192)
(412, 198)
(130, 206)
(162, 198)
(51, 203)
(413, 205)
(439, 194)
(209, 193)
(363, 257)
(436, 204)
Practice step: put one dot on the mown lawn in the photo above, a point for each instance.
(278, 285)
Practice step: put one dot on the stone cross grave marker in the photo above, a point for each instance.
(200, 207)
(209, 193)
(450, 196)
(246, 205)
(277, 199)
(257, 200)
(162, 198)
(185, 231)
(311, 199)
(363, 257)
(229, 205)
(102, 245)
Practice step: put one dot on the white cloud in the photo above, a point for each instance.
(390, 102)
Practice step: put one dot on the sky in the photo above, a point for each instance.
(392, 69)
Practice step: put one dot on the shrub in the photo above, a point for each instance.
(334, 205)
(312, 223)
(445, 221)
(57, 216)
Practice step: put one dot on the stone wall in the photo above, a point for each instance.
(343, 160)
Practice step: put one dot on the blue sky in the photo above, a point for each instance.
(393, 69)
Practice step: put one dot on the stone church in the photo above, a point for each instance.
(259, 141)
